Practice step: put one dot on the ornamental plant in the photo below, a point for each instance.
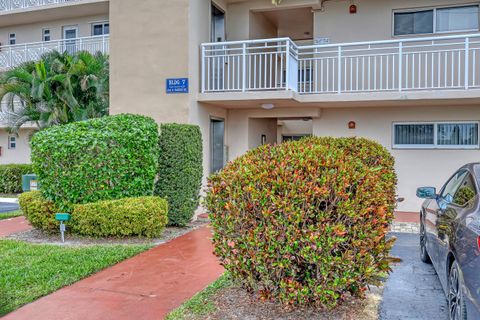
(305, 222)
(100, 159)
(39, 212)
(180, 170)
(142, 216)
(11, 177)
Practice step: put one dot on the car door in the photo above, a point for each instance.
(435, 214)
(449, 223)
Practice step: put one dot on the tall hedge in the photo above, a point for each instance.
(99, 159)
(11, 177)
(305, 222)
(180, 170)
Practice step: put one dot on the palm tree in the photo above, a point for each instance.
(58, 89)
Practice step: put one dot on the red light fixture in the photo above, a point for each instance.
(352, 125)
(353, 9)
(478, 243)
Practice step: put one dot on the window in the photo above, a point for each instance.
(12, 38)
(440, 135)
(436, 20)
(451, 187)
(457, 19)
(46, 35)
(12, 142)
(99, 29)
(466, 191)
(295, 137)
(418, 22)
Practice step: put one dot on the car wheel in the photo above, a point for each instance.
(456, 301)
(423, 244)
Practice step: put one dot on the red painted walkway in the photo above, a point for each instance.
(144, 287)
(13, 225)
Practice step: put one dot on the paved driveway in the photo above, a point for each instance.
(7, 207)
(413, 290)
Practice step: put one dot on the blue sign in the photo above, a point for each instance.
(177, 85)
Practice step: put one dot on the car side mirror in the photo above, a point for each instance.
(427, 193)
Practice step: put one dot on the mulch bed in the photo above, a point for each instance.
(38, 236)
(235, 303)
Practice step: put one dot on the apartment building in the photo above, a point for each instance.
(404, 73)
(30, 28)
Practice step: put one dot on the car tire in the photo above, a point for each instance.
(423, 244)
(457, 309)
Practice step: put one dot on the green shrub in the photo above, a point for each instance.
(142, 216)
(180, 170)
(38, 211)
(11, 177)
(100, 159)
(304, 223)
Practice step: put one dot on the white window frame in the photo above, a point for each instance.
(69, 28)
(10, 38)
(49, 34)
(102, 23)
(10, 142)
(434, 9)
(435, 144)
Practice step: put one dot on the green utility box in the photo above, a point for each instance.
(62, 217)
(29, 182)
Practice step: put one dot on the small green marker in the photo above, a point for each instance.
(62, 217)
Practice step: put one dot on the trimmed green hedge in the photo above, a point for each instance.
(100, 159)
(142, 216)
(305, 222)
(11, 177)
(180, 170)
(38, 211)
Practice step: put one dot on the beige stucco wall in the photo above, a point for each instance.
(415, 168)
(22, 152)
(373, 21)
(33, 32)
(258, 127)
(148, 44)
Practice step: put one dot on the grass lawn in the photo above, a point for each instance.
(30, 271)
(200, 304)
(8, 195)
(9, 215)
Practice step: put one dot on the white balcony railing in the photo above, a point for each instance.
(13, 55)
(10, 5)
(436, 63)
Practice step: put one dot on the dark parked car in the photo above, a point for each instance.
(450, 239)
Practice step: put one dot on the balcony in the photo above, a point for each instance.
(12, 5)
(395, 66)
(14, 55)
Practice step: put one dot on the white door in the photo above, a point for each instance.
(70, 34)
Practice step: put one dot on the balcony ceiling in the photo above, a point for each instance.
(297, 23)
(54, 12)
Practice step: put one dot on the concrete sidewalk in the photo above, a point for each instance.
(144, 287)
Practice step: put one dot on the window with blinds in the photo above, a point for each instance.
(445, 135)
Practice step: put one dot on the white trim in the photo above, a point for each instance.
(434, 9)
(435, 145)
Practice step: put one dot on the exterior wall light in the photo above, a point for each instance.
(268, 106)
(352, 125)
(353, 9)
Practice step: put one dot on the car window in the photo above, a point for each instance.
(466, 191)
(453, 184)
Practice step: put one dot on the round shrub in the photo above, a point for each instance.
(304, 223)
(142, 216)
(11, 177)
(39, 211)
